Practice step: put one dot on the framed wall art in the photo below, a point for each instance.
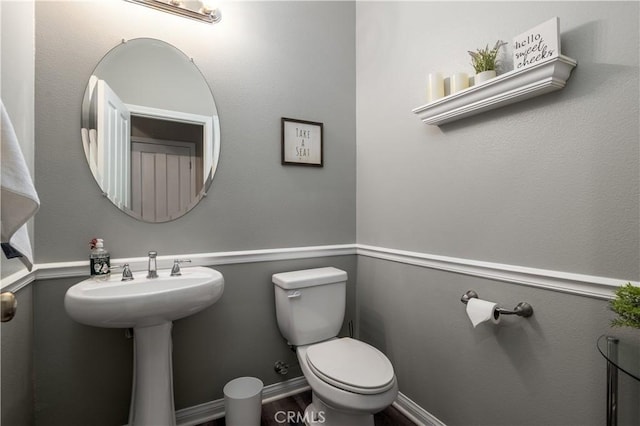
(302, 142)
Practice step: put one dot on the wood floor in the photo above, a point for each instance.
(297, 403)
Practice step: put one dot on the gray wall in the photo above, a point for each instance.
(544, 370)
(549, 183)
(264, 61)
(83, 374)
(17, 364)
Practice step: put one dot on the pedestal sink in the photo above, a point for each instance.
(148, 305)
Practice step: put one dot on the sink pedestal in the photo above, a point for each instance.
(149, 306)
(152, 393)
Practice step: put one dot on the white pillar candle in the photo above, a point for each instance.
(435, 86)
(459, 81)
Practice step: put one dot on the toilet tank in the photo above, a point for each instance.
(310, 304)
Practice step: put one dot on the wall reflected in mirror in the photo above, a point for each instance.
(150, 130)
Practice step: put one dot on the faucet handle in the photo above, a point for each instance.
(175, 270)
(126, 272)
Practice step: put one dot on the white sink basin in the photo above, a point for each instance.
(143, 302)
(148, 305)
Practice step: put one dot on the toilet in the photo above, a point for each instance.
(350, 380)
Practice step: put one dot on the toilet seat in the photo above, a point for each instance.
(351, 365)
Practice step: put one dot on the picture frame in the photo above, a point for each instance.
(302, 142)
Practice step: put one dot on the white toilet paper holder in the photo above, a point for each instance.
(522, 309)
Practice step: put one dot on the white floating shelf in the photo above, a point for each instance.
(513, 86)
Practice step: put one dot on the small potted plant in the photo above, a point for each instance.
(627, 305)
(484, 62)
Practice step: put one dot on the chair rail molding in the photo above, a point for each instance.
(564, 282)
(80, 268)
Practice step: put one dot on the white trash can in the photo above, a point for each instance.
(243, 401)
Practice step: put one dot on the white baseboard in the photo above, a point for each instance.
(215, 409)
(212, 410)
(414, 412)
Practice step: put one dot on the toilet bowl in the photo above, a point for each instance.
(350, 380)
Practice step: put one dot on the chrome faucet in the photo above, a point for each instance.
(126, 272)
(175, 271)
(152, 270)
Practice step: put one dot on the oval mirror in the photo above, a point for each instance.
(150, 130)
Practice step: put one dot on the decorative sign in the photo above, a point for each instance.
(536, 45)
(301, 142)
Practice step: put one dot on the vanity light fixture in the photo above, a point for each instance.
(198, 10)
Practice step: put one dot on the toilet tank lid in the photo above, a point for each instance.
(309, 277)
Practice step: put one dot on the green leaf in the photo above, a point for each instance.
(486, 59)
(627, 305)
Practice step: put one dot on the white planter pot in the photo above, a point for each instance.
(483, 76)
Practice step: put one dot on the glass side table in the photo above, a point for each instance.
(623, 356)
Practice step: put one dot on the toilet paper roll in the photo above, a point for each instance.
(480, 311)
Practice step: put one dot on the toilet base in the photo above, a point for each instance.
(320, 414)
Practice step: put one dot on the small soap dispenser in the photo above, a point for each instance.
(99, 260)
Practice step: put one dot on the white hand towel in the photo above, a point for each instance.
(18, 195)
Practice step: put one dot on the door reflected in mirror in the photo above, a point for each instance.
(150, 130)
